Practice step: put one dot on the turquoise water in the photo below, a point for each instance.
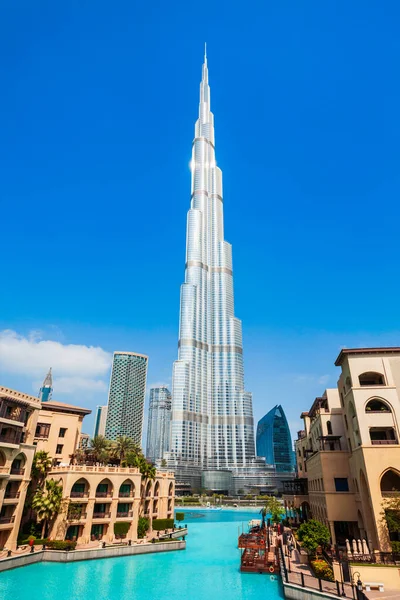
(208, 569)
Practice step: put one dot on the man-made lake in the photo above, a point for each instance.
(208, 569)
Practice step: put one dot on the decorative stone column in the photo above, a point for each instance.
(113, 508)
(89, 519)
(333, 535)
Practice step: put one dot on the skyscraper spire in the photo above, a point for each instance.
(47, 387)
(212, 418)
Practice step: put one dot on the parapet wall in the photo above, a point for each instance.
(88, 554)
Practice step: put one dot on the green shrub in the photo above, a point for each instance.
(40, 542)
(121, 528)
(395, 546)
(143, 526)
(313, 534)
(322, 570)
(179, 516)
(160, 524)
(61, 545)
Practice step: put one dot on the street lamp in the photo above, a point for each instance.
(359, 582)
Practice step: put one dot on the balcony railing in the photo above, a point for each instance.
(103, 494)
(17, 413)
(4, 520)
(11, 495)
(11, 439)
(101, 515)
(77, 517)
(4, 469)
(125, 495)
(393, 494)
(384, 442)
(17, 471)
(79, 494)
(128, 513)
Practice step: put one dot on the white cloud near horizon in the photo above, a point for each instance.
(75, 367)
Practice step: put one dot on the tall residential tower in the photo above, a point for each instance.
(158, 429)
(212, 416)
(126, 396)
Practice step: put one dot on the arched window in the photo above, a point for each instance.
(390, 483)
(377, 405)
(329, 427)
(371, 378)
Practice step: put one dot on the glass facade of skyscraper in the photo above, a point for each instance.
(212, 417)
(274, 441)
(126, 396)
(158, 429)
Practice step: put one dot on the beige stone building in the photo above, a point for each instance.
(348, 455)
(18, 417)
(97, 497)
(58, 430)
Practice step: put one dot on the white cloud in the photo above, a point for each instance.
(76, 368)
(33, 356)
(71, 385)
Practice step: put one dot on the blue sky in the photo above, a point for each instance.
(98, 106)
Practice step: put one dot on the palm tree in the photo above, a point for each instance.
(100, 448)
(47, 503)
(148, 472)
(124, 445)
(41, 466)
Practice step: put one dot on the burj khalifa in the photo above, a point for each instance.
(212, 427)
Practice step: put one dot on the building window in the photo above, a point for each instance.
(329, 427)
(42, 430)
(371, 378)
(59, 449)
(341, 484)
(62, 432)
(376, 405)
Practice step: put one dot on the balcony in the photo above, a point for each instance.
(6, 520)
(12, 413)
(128, 513)
(14, 471)
(103, 494)
(77, 517)
(383, 436)
(295, 487)
(125, 495)
(12, 437)
(101, 515)
(384, 442)
(11, 494)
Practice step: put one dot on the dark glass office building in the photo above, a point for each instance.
(274, 441)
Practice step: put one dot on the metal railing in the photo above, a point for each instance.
(4, 520)
(8, 495)
(305, 580)
(101, 515)
(128, 513)
(17, 471)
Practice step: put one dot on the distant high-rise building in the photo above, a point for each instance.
(47, 388)
(100, 422)
(158, 429)
(126, 396)
(212, 424)
(274, 441)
